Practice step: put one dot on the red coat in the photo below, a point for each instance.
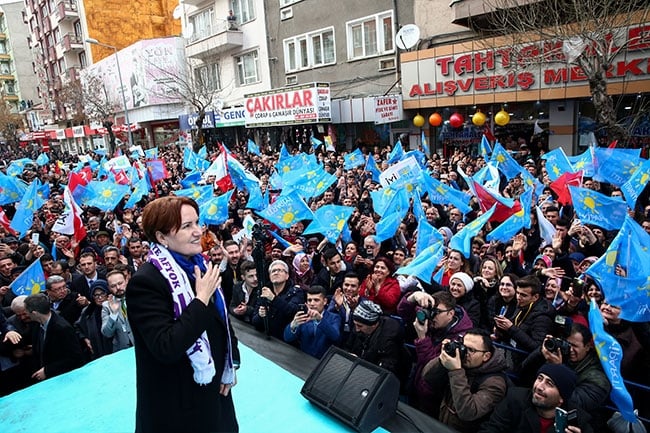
(387, 297)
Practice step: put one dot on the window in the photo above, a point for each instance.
(244, 10)
(248, 68)
(370, 36)
(309, 50)
(207, 78)
(77, 28)
(83, 62)
(203, 24)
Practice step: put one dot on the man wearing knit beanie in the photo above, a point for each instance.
(524, 410)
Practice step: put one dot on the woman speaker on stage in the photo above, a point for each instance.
(186, 353)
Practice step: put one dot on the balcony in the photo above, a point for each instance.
(71, 43)
(67, 10)
(57, 83)
(51, 54)
(72, 73)
(47, 26)
(217, 40)
(466, 11)
(6, 75)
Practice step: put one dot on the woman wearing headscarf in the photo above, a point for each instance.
(185, 351)
(301, 271)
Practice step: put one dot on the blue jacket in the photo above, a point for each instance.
(316, 337)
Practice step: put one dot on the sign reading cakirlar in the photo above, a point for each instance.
(532, 66)
(309, 103)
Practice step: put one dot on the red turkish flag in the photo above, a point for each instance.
(487, 199)
(561, 186)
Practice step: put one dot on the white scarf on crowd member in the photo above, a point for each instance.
(182, 294)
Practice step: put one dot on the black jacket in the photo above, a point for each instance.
(168, 398)
(61, 351)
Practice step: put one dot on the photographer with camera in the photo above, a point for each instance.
(542, 408)
(277, 305)
(314, 327)
(471, 374)
(435, 318)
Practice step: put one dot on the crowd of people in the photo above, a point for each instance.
(500, 342)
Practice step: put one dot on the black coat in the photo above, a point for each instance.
(69, 309)
(61, 351)
(80, 285)
(168, 398)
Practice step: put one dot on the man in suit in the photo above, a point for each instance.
(114, 316)
(56, 347)
(231, 274)
(244, 294)
(88, 267)
(64, 301)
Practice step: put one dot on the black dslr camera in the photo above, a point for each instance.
(554, 344)
(426, 313)
(562, 327)
(450, 348)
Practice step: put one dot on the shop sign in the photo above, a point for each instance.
(534, 66)
(309, 103)
(230, 117)
(388, 109)
(188, 121)
(78, 131)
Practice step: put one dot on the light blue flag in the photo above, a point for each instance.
(285, 243)
(151, 153)
(583, 162)
(11, 189)
(630, 249)
(424, 264)
(636, 183)
(200, 194)
(484, 148)
(31, 202)
(439, 275)
(290, 163)
(419, 157)
(598, 209)
(287, 210)
(203, 151)
(388, 199)
(315, 142)
(462, 241)
(346, 235)
(418, 211)
(284, 153)
(425, 144)
(239, 174)
(255, 198)
(44, 192)
(610, 354)
(103, 171)
(253, 148)
(371, 166)
(100, 152)
(215, 209)
(615, 166)
(105, 195)
(353, 159)
(441, 193)
(141, 189)
(488, 176)
(505, 163)
(42, 159)
(516, 222)
(329, 220)
(396, 154)
(191, 180)
(30, 281)
(557, 163)
(532, 182)
(427, 236)
(307, 181)
(17, 166)
(387, 226)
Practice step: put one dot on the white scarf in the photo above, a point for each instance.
(182, 294)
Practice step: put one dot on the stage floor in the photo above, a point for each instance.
(100, 397)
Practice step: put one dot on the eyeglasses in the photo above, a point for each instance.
(276, 270)
(99, 295)
(472, 351)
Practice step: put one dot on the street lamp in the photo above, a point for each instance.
(119, 75)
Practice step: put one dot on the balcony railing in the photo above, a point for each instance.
(220, 37)
(67, 10)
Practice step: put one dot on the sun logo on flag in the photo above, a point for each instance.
(36, 286)
(578, 165)
(590, 203)
(212, 209)
(196, 194)
(107, 193)
(289, 215)
(610, 258)
(501, 157)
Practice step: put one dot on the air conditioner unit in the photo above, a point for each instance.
(286, 13)
(387, 64)
(291, 80)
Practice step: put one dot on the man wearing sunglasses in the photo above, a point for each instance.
(471, 374)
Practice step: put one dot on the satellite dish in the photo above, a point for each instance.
(188, 31)
(178, 12)
(407, 37)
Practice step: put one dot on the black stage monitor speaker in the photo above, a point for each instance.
(355, 391)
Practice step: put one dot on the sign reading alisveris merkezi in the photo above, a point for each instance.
(309, 103)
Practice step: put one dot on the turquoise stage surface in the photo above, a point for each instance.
(100, 398)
